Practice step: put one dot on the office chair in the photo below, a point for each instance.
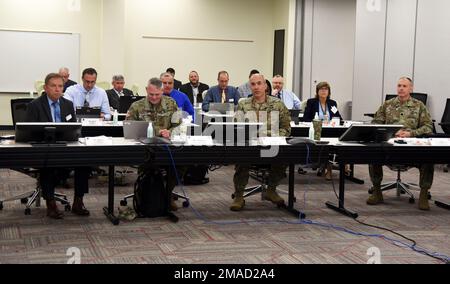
(204, 94)
(261, 174)
(445, 125)
(418, 96)
(135, 89)
(39, 87)
(18, 112)
(399, 185)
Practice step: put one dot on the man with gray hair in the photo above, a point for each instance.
(64, 72)
(118, 90)
(162, 111)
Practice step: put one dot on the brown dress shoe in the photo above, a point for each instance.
(78, 207)
(52, 210)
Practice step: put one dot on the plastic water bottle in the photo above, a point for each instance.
(115, 117)
(311, 132)
(150, 133)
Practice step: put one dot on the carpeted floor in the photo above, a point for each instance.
(210, 233)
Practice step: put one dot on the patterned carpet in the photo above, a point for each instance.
(261, 234)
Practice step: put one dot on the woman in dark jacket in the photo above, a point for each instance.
(325, 107)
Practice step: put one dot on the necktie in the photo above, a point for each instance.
(86, 100)
(224, 96)
(56, 111)
(279, 94)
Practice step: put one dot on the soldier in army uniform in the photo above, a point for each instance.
(262, 105)
(415, 118)
(163, 112)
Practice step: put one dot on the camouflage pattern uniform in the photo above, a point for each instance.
(164, 116)
(277, 172)
(415, 117)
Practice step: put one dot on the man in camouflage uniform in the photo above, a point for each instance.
(163, 112)
(262, 106)
(416, 119)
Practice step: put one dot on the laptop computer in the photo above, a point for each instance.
(126, 101)
(88, 112)
(135, 129)
(221, 108)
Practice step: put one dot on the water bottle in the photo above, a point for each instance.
(311, 132)
(150, 133)
(115, 117)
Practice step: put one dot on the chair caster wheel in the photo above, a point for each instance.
(67, 208)
(429, 196)
(370, 191)
(1, 205)
(24, 200)
(412, 200)
(123, 203)
(186, 204)
(28, 211)
(232, 196)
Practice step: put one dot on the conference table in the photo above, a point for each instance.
(416, 151)
(113, 152)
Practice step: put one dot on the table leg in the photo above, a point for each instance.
(291, 197)
(442, 205)
(109, 211)
(351, 177)
(341, 206)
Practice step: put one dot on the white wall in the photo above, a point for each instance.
(329, 48)
(207, 19)
(404, 38)
(111, 36)
(54, 16)
(432, 57)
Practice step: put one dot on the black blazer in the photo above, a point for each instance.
(312, 107)
(187, 89)
(39, 111)
(68, 84)
(113, 98)
(177, 84)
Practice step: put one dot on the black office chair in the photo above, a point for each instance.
(418, 96)
(398, 184)
(18, 112)
(445, 125)
(261, 174)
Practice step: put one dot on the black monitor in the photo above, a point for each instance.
(233, 133)
(126, 101)
(47, 133)
(370, 133)
(88, 112)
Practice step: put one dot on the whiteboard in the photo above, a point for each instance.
(27, 57)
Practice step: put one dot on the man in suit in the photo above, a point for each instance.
(176, 84)
(118, 90)
(52, 107)
(194, 89)
(222, 93)
(64, 72)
